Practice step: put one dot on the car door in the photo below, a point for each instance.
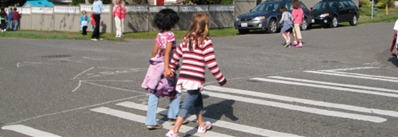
(343, 11)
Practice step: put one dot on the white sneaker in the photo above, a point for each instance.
(94, 39)
(5, 30)
(101, 39)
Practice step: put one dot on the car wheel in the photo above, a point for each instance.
(354, 20)
(334, 22)
(304, 24)
(243, 31)
(272, 27)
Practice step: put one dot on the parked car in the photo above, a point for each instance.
(266, 15)
(331, 12)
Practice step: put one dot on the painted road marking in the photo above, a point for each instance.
(298, 108)
(335, 84)
(214, 122)
(141, 119)
(327, 87)
(304, 101)
(352, 76)
(29, 131)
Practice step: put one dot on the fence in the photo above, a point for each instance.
(138, 17)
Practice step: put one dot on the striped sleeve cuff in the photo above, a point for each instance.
(223, 82)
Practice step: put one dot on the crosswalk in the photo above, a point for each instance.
(266, 99)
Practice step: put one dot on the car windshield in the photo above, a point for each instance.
(325, 5)
(267, 6)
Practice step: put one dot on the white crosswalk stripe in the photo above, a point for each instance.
(298, 108)
(215, 122)
(327, 87)
(304, 101)
(166, 125)
(28, 131)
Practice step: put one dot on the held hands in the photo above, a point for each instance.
(168, 73)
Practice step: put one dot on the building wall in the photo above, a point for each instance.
(138, 17)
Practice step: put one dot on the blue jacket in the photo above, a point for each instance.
(82, 19)
(10, 15)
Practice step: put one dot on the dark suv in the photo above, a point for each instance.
(266, 15)
(331, 12)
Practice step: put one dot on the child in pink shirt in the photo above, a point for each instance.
(298, 16)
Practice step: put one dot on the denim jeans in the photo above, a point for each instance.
(93, 27)
(8, 24)
(14, 24)
(193, 98)
(153, 105)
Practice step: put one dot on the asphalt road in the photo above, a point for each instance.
(341, 83)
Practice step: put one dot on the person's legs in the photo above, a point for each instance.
(152, 109)
(118, 28)
(84, 30)
(96, 29)
(122, 24)
(8, 25)
(284, 36)
(14, 24)
(93, 27)
(191, 99)
(174, 107)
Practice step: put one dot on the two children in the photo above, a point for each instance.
(196, 51)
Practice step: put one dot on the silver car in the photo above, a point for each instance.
(266, 15)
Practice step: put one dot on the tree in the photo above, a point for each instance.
(6, 3)
(77, 2)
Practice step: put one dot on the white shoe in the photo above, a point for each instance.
(101, 39)
(94, 39)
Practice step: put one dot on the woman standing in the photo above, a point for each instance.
(119, 14)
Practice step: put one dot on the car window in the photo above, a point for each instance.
(289, 6)
(346, 4)
(260, 7)
(341, 4)
(325, 5)
(268, 6)
(303, 6)
(352, 4)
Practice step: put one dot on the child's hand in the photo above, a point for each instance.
(168, 73)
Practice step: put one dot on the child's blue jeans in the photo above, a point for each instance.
(193, 98)
(153, 105)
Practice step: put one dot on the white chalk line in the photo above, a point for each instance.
(82, 72)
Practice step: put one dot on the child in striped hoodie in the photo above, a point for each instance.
(196, 50)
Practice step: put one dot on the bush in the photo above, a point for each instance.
(365, 4)
(384, 3)
(103, 1)
(77, 2)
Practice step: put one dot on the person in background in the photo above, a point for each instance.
(84, 19)
(119, 12)
(15, 20)
(97, 8)
(298, 16)
(10, 17)
(92, 18)
(287, 21)
(3, 16)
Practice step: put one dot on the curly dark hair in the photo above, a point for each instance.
(165, 19)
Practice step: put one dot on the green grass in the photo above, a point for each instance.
(35, 34)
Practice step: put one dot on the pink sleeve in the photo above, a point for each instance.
(171, 37)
